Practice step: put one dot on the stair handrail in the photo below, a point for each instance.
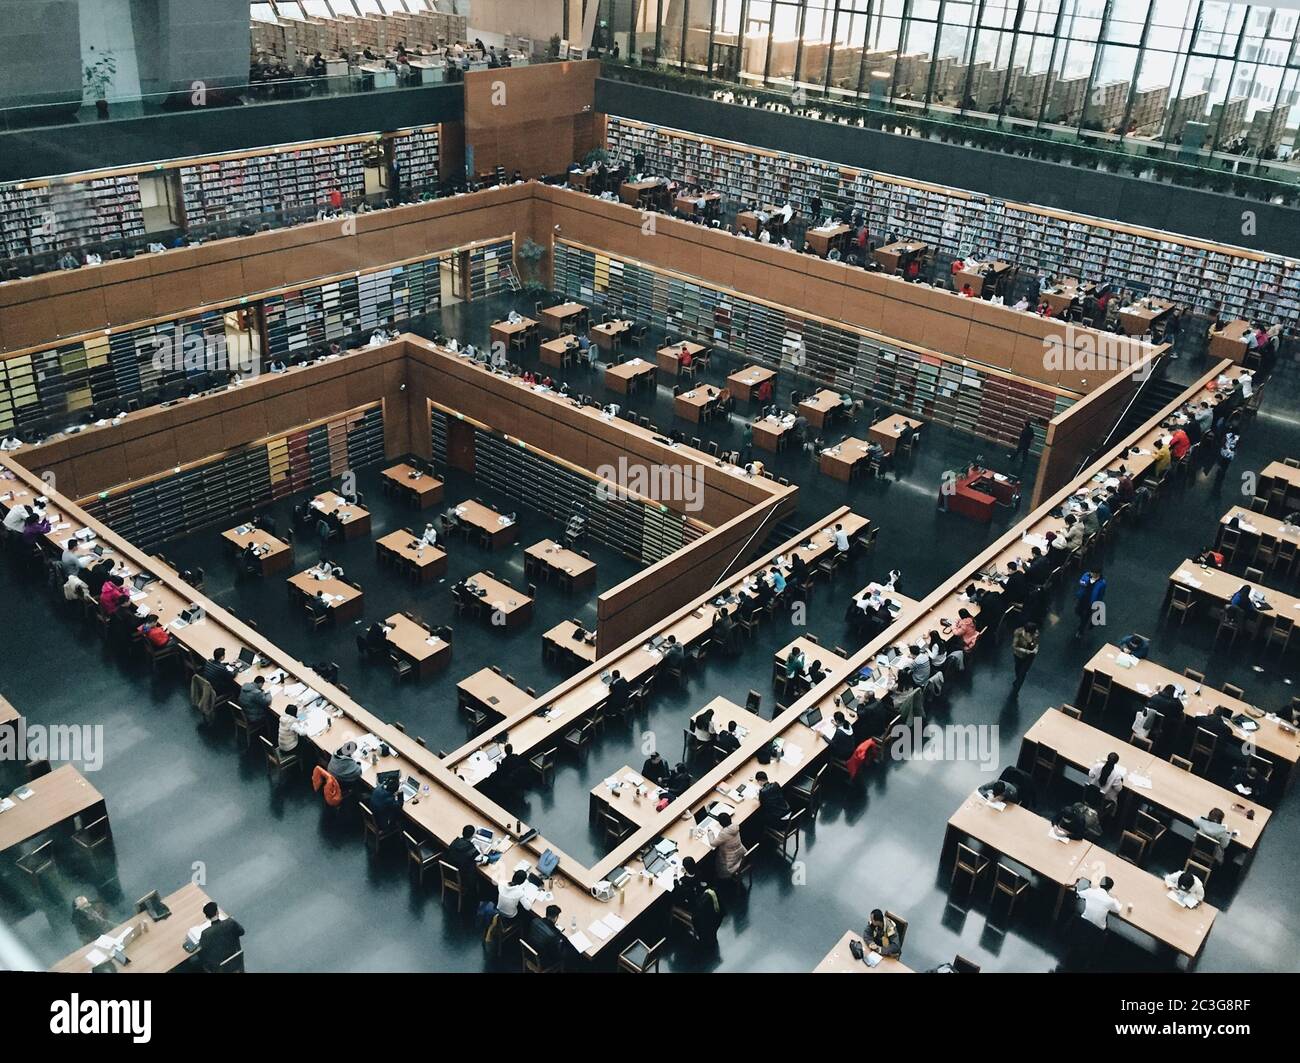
(1156, 365)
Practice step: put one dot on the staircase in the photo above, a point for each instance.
(1153, 398)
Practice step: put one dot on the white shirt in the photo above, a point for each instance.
(508, 898)
(1247, 385)
(1113, 785)
(430, 536)
(16, 517)
(1196, 893)
(841, 541)
(1140, 727)
(288, 737)
(514, 319)
(1097, 904)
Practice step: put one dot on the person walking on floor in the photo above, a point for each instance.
(1024, 648)
(1089, 597)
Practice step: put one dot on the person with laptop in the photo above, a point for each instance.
(344, 765)
(841, 743)
(462, 854)
(547, 939)
(219, 940)
(772, 805)
(219, 674)
(727, 844)
(679, 781)
(728, 741)
(386, 801)
(619, 693)
(510, 894)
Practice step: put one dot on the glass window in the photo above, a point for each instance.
(262, 13)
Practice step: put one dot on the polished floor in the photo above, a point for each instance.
(184, 804)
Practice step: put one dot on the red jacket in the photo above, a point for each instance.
(865, 752)
(333, 791)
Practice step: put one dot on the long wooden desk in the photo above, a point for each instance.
(840, 960)
(1215, 586)
(642, 193)
(563, 317)
(632, 799)
(667, 360)
(820, 408)
(487, 520)
(553, 352)
(513, 606)
(491, 692)
(354, 520)
(893, 258)
(887, 431)
(693, 206)
(423, 489)
(770, 430)
(506, 332)
(275, 554)
(345, 600)
(1144, 678)
(1065, 294)
(158, 947)
(1279, 474)
(57, 797)
(410, 551)
(1230, 341)
(578, 571)
(827, 238)
(627, 378)
(1142, 317)
(418, 644)
(1258, 527)
(753, 221)
(691, 405)
(838, 461)
(745, 382)
(973, 276)
(581, 651)
(607, 333)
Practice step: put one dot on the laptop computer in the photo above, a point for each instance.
(247, 656)
(811, 717)
(410, 787)
(142, 579)
(385, 778)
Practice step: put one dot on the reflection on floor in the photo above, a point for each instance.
(184, 804)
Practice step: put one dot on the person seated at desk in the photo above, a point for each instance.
(728, 741)
(546, 938)
(813, 675)
(515, 317)
(276, 365)
(1080, 819)
(1145, 722)
(511, 894)
(112, 594)
(316, 605)
(772, 805)
(34, 526)
(723, 631)
(1108, 777)
(1015, 587)
(386, 804)
(967, 292)
(674, 654)
(462, 854)
(1190, 889)
(1247, 781)
(154, 632)
(1098, 903)
(326, 569)
(684, 357)
(1161, 456)
(96, 576)
(620, 693)
(250, 560)
(1135, 646)
(795, 663)
(1212, 826)
(429, 537)
(1021, 304)
(220, 940)
(287, 736)
(74, 560)
(1044, 309)
(255, 700)
(703, 729)
(1008, 793)
(881, 934)
(344, 765)
(678, 781)
(841, 743)
(964, 628)
(219, 674)
(1242, 600)
(655, 769)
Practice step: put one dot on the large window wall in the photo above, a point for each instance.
(1191, 74)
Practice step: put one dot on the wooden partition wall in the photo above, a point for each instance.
(535, 119)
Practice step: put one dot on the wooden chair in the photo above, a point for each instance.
(1202, 752)
(421, 854)
(578, 739)
(278, 761)
(780, 833)
(807, 790)
(969, 866)
(1279, 634)
(961, 965)
(543, 763)
(533, 962)
(1072, 712)
(1234, 691)
(640, 958)
(902, 924)
(1180, 762)
(372, 833)
(94, 836)
(39, 862)
(1181, 603)
(1011, 885)
(1196, 677)
(450, 882)
(232, 964)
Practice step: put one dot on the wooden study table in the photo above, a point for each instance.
(693, 206)
(488, 521)
(744, 383)
(627, 378)
(973, 276)
(581, 651)
(626, 802)
(641, 193)
(514, 607)
(1143, 316)
(563, 317)
(567, 565)
(898, 603)
(415, 484)
(726, 711)
(666, 358)
(1065, 294)
(1146, 677)
(581, 179)
(275, 554)
(491, 692)
(160, 946)
(838, 461)
(608, 333)
(817, 546)
(770, 431)
(894, 258)
(345, 600)
(58, 796)
(826, 238)
(754, 221)
(1277, 474)
(1230, 341)
(1081, 746)
(821, 408)
(414, 641)
(832, 663)
(1022, 836)
(1258, 527)
(509, 332)
(840, 960)
(887, 431)
(692, 405)
(1217, 587)
(554, 352)
(354, 520)
(1146, 905)
(427, 562)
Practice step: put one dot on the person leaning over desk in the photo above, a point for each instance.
(220, 940)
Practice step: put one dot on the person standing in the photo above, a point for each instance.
(1227, 452)
(1024, 648)
(1026, 441)
(1090, 593)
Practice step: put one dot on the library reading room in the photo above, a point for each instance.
(794, 487)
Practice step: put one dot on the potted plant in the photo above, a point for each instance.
(553, 48)
(530, 255)
(96, 79)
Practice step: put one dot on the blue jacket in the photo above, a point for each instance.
(1089, 595)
